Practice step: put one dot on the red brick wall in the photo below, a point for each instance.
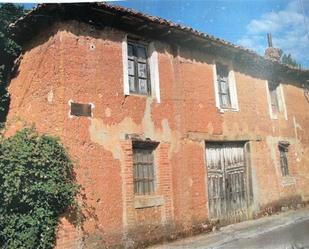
(73, 62)
(254, 121)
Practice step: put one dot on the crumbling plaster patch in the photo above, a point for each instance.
(50, 96)
(296, 126)
(108, 112)
(110, 136)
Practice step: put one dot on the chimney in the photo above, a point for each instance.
(271, 53)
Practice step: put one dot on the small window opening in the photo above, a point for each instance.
(81, 110)
(283, 149)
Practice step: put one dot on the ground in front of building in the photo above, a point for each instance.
(288, 230)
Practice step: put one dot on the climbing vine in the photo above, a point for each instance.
(37, 185)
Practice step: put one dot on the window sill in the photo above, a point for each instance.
(148, 201)
(143, 96)
(222, 110)
(274, 117)
(288, 180)
(139, 95)
(278, 116)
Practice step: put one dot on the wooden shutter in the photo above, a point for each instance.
(272, 87)
(223, 86)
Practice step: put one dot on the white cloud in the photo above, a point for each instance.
(288, 31)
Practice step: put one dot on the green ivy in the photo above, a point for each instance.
(37, 184)
(9, 50)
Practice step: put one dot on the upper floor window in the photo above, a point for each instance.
(140, 68)
(272, 88)
(225, 87)
(276, 100)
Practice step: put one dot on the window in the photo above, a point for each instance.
(143, 167)
(140, 68)
(225, 87)
(276, 100)
(80, 110)
(272, 88)
(138, 74)
(283, 149)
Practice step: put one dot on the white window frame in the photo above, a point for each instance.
(232, 88)
(153, 63)
(281, 102)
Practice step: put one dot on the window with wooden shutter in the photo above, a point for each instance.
(138, 68)
(223, 86)
(144, 168)
(272, 88)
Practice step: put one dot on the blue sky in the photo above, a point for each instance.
(243, 22)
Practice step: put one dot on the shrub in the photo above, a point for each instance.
(36, 186)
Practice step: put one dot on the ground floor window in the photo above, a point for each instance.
(144, 167)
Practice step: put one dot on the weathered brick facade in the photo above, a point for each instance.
(73, 61)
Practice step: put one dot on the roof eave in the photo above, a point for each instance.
(108, 15)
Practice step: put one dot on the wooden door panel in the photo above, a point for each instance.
(226, 171)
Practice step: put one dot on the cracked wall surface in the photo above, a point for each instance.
(73, 61)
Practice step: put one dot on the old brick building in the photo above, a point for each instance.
(168, 127)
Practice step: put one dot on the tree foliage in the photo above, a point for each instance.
(288, 59)
(9, 50)
(37, 185)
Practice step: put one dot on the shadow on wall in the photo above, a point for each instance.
(306, 93)
(4, 105)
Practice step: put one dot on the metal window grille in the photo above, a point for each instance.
(284, 159)
(272, 87)
(138, 68)
(143, 168)
(223, 86)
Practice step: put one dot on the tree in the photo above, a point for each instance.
(9, 50)
(288, 59)
(37, 185)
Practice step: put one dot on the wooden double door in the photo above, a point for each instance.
(227, 181)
